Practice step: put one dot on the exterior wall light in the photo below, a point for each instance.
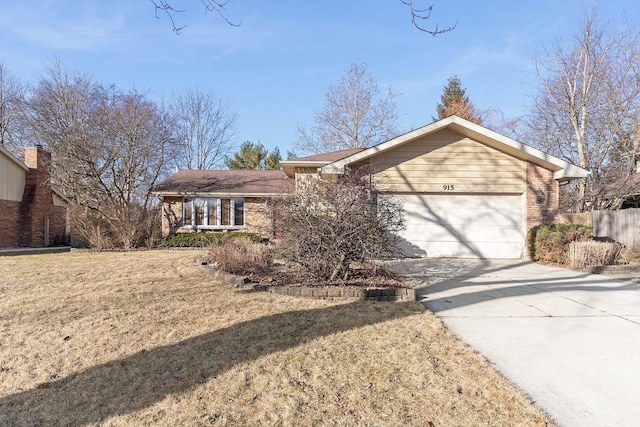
(540, 196)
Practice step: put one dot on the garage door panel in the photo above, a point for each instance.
(460, 225)
(456, 250)
(466, 218)
(467, 233)
(452, 214)
(463, 201)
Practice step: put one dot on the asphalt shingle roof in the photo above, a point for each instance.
(227, 182)
(330, 157)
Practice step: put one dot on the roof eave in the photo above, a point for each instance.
(570, 173)
(289, 166)
(216, 194)
(562, 170)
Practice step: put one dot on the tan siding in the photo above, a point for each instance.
(12, 180)
(303, 175)
(448, 162)
(58, 201)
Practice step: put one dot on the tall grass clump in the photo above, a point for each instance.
(242, 256)
(582, 254)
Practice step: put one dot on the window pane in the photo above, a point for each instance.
(225, 218)
(187, 209)
(238, 211)
(212, 204)
(199, 207)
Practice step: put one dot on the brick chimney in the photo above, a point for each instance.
(37, 158)
(37, 207)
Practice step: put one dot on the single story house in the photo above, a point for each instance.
(32, 213)
(466, 190)
(222, 200)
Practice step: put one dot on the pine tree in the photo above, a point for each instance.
(454, 101)
(254, 157)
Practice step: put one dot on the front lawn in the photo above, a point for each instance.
(148, 338)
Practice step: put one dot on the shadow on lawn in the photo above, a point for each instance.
(144, 378)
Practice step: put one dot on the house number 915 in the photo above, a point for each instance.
(448, 187)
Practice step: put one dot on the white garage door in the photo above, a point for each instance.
(461, 225)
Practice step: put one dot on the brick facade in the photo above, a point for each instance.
(541, 211)
(9, 224)
(23, 224)
(261, 215)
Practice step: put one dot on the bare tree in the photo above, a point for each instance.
(357, 113)
(109, 148)
(419, 14)
(205, 128)
(12, 95)
(588, 101)
(166, 8)
(332, 223)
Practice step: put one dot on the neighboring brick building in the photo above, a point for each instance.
(32, 214)
(466, 190)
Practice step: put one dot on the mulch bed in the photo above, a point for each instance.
(282, 274)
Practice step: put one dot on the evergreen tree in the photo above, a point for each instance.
(454, 101)
(254, 157)
(272, 162)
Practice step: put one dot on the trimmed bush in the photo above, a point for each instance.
(242, 256)
(203, 240)
(549, 243)
(585, 253)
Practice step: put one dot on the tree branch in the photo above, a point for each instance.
(423, 14)
(216, 6)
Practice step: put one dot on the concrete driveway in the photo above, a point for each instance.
(569, 340)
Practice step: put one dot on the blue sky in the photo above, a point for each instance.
(277, 65)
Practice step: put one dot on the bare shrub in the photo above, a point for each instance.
(242, 256)
(87, 226)
(126, 226)
(582, 254)
(332, 223)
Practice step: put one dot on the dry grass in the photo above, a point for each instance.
(584, 253)
(242, 256)
(148, 338)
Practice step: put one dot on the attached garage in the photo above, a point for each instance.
(467, 191)
(463, 225)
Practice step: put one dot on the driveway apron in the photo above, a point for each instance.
(569, 340)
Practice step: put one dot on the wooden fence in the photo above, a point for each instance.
(623, 225)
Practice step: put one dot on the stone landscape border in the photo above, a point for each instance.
(613, 269)
(358, 292)
(329, 292)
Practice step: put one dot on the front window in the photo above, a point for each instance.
(198, 207)
(212, 213)
(187, 212)
(238, 210)
(225, 217)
